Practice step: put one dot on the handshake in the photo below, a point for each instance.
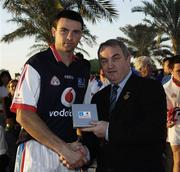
(74, 155)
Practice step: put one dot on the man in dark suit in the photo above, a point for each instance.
(132, 129)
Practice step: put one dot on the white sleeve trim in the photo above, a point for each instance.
(28, 88)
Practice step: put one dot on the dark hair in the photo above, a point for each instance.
(112, 43)
(12, 81)
(174, 60)
(80, 56)
(166, 59)
(2, 74)
(69, 14)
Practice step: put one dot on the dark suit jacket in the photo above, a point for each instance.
(137, 127)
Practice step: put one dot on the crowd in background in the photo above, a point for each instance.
(9, 128)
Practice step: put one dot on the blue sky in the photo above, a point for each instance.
(15, 54)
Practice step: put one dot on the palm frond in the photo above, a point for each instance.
(33, 17)
(165, 15)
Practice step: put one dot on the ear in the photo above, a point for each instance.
(53, 30)
(129, 59)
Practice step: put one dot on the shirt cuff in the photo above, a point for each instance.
(107, 133)
(88, 153)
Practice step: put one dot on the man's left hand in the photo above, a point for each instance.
(98, 128)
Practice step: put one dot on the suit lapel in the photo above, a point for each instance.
(126, 92)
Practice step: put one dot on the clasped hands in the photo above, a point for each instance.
(74, 155)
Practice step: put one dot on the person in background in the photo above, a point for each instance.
(143, 65)
(132, 119)
(80, 57)
(5, 77)
(159, 74)
(12, 127)
(135, 71)
(50, 83)
(172, 89)
(96, 84)
(166, 77)
(4, 159)
(10, 116)
(166, 70)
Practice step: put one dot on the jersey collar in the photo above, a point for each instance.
(175, 82)
(57, 55)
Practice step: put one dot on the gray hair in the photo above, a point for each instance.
(142, 61)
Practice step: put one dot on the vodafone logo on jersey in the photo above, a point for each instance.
(68, 97)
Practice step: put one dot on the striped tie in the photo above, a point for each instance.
(113, 96)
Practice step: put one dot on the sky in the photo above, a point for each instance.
(15, 54)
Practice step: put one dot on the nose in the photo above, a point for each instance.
(110, 64)
(70, 35)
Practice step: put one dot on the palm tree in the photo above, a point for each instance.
(93, 10)
(165, 15)
(143, 40)
(33, 18)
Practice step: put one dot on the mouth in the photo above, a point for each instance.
(69, 43)
(111, 72)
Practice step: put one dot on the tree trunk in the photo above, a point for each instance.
(176, 45)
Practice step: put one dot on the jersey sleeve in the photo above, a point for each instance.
(27, 91)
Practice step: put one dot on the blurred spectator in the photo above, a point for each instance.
(159, 74)
(85, 62)
(135, 71)
(10, 116)
(144, 66)
(12, 127)
(4, 160)
(172, 89)
(166, 77)
(94, 85)
(80, 56)
(5, 77)
(166, 71)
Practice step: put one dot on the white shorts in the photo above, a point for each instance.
(174, 135)
(34, 157)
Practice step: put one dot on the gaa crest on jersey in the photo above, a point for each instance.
(68, 97)
(55, 81)
(81, 82)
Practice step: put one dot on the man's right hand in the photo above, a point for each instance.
(74, 155)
